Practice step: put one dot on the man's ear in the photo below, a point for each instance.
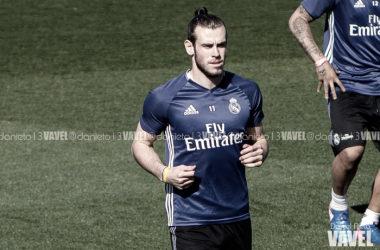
(189, 47)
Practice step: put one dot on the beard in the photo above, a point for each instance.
(202, 67)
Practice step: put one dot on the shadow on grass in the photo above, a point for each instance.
(360, 208)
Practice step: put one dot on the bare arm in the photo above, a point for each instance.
(142, 150)
(299, 26)
(256, 151)
(144, 154)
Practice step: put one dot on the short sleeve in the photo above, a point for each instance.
(316, 8)
(257, 114)
(154, 118)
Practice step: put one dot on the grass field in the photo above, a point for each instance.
(87, 66)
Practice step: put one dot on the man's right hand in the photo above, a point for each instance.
(181, 176)
(327, 76)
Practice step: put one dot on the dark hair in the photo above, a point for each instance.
(205, 20)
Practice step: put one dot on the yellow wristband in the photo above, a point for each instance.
(166, 174)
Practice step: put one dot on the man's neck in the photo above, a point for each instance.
(207, 82)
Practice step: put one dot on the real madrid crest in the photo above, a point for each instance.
(234, 107)
(336, 139)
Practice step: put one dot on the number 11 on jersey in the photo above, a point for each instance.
(212, 108)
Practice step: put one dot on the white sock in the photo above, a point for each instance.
(338, 202)
(369, 217)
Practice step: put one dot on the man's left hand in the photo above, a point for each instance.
(252, 155)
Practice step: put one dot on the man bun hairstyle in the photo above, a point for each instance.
(201, 11)
(203, 19)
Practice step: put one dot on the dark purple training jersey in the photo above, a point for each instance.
(352, 41)
(206, 128)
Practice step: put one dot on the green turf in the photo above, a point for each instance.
(86, 67)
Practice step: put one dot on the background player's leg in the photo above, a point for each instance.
(344, 168)
(374, 204)
(371, 216)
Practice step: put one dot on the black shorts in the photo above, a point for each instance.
(351, 114)
(232, 236)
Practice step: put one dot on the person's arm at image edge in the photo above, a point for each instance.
(299, 26)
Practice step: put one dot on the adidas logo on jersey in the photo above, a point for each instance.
(191, 111)
(359, 4)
